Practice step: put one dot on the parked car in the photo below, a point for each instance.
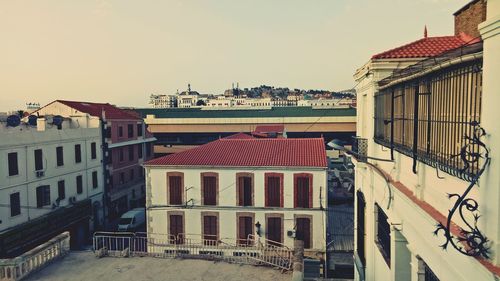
(132, 220)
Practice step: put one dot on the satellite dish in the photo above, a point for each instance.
(13, 121)
(32, 120)
(57, 120)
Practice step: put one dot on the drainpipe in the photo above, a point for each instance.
(103, 161)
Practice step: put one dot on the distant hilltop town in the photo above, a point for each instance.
(262, 96)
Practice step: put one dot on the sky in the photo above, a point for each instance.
(122, 51)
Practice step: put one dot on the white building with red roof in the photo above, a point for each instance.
(275, 189)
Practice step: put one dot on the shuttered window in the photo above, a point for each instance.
(13, 168)
(79, 184)
(176, 228)
(383, 238)
(245, 191)
(245, 228)
(303, 231)
(209, 189)
(78, 153)
(59, 156)
(274, 184)
(274, 230)
(175, 189)
(15, 204)
(303, 191)
(42, 196)
(38, 160)
(209, 228)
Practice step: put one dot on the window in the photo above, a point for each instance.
(360, 227)
(139, 151)
(93, 150)
(42, 196)
(383, 238)
(38, 160)
(210, 229)
(94, 179)
(274, 229)
(302, 190)
(209, 188)
(244, 189)
(176, 227)
(303, 229)
(61, 192)
(120, 131)
(13, 169)
(139, 130)
(60, 157)
(148, 149)
(429, 274)
(245, 228)
(79, 184)
(121, 154)
(274, 190)
(426, 118)
(130, 152)
(78, 153)
(131, 174)
(130, 130)
(15, 204)
(175, 188)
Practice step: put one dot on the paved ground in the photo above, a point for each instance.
(85, 266)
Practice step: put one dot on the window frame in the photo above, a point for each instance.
(169, 197)
(17, 205)
(61, 190)
(383, 241)
(93, 150)
(43, 196)
(239, 200)
(79, 184)
(78, 153)
(59, 156)
(38, 160)
(95, 180)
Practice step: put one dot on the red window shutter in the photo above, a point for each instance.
(274, 229)
(274, 192)
(304, 231)
(303, 191)
(210, 227)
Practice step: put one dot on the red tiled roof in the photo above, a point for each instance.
(239, 136)
(250, 153)
(269, 129)
(95, 109)
(425, 47)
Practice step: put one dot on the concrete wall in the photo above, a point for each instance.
(156, 185)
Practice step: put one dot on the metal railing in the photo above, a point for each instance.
(253, 250)
(19, 267)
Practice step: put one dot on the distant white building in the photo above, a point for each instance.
(235, 187)
(163, 101)
(51, 180)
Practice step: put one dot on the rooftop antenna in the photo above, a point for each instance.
(425, 31)
(189, 87)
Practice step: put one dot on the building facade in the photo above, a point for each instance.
(163, 101)
(51, 181)
(125, 145)
(236, 187)
(433, 184)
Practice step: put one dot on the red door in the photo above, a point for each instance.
(274, 230)
(177, 228)
(210, 230)
(245, 226)
(304, 231)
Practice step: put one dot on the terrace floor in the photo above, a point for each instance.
(85, 266)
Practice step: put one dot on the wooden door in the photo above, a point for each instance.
(274, 230)
(273, 192)
(177, 228)
(175, 190)
(245, 227)
(303, 231)
(302, 200)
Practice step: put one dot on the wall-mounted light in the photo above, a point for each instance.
(257, 228)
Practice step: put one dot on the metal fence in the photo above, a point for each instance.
(253, 250)
(429, 117)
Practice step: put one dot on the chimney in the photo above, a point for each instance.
(469, 17)
(41, 124)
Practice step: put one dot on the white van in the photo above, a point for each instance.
(132, 220)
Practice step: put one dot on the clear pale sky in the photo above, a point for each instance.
(122, 51)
